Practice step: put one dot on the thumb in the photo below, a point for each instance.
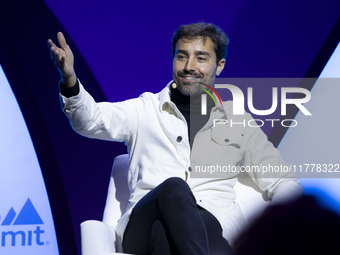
(61, 40)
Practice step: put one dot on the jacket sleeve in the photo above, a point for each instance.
(266, 167)
(106, 121)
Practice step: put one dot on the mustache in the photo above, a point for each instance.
(192, 73)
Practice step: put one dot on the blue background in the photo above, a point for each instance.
(122, 49)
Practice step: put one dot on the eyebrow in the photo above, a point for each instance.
(185, 52)
(202, 53)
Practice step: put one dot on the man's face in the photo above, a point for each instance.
(195, 63)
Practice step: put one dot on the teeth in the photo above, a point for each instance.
(190, 78)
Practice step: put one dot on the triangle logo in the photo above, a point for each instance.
(9, 217)
(28, 215)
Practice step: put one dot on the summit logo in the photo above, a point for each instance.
(23, 234)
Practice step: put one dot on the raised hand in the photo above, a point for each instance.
(63, 60)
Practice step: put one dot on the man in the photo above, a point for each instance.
(170, 212)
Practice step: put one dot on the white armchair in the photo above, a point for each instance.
(99, 237)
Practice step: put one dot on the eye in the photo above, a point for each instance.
(201, 59)
(180, 57)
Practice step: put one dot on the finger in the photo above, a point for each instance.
(50, 44)
(53, 48)
(59, 62)
(58, 56)
(62, 61)
(61, 40)
(53, 51)
(55, 55)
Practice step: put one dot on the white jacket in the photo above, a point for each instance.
(151, 125)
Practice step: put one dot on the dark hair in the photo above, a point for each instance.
(204, 30)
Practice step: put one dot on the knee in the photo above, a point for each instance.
(176, 188)
(175, 184)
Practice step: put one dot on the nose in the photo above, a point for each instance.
(190, 65)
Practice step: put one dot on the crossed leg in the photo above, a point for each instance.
(167, 220)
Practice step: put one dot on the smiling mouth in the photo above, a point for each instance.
(189, 78)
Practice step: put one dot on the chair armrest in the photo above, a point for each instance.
(97, 238)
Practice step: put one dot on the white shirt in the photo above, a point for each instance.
(150, 126)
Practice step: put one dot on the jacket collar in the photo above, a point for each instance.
(164, 96)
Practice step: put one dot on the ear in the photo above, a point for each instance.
(220, 66)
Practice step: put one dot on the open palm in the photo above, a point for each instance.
(63, 59)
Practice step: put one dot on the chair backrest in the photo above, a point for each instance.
(251, 199)
(118, 192)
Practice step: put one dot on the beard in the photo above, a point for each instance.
(191, 88)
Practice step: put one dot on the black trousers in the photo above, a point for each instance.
(168, 221)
